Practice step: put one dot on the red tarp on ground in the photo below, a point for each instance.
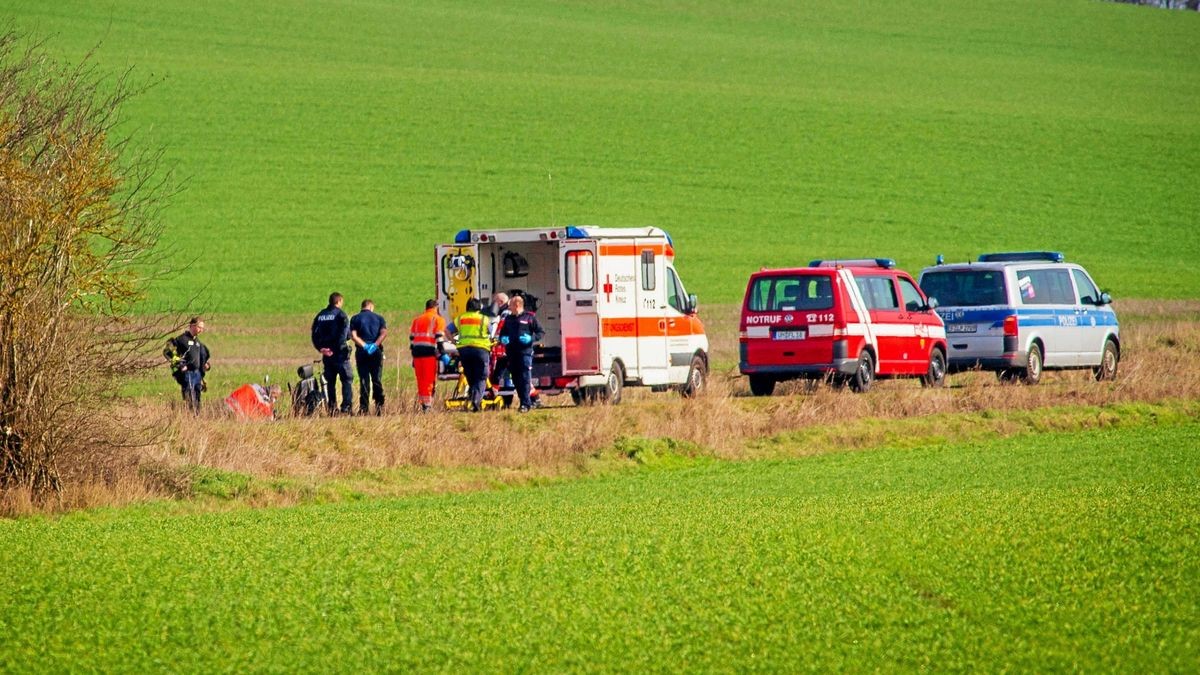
(248, 404)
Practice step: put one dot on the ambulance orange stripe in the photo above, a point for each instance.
(651, 326)
(630, 249)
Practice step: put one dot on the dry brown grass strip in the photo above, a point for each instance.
(1160, 361)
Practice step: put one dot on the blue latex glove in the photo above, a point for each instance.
(503, 339)
(445, 359)
(370, 348)
(525, 339)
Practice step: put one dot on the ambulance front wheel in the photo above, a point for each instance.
(697, 378)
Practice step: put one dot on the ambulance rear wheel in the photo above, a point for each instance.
(762, 385)
(864, 376)
(610, 391)
(697, 377)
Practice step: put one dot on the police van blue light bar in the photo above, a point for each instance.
(1022, 256)
(885, 263)
(463, 237)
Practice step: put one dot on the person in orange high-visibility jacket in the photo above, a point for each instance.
(425, 341)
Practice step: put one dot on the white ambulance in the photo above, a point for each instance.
(612, 305)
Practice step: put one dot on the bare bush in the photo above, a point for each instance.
(79, 217)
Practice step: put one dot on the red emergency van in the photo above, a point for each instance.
(847, 322)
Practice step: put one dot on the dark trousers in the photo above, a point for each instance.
(475, 362)
(520, 366)
(338, 366)
(192, 381)
(370, 379)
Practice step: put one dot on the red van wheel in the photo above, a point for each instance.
(864, 376)
(936, 375)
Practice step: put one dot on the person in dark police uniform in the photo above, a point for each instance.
(331, 337)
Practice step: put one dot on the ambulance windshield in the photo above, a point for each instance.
(790, 293)
(965, 288)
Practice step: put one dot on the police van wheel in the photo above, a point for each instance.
(1032, 372)
(936, 375)
(864, 376)
(1107, 370)
(697, 377)
(762, 385)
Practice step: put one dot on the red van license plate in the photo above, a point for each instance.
(789, 335)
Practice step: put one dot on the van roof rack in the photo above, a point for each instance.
(883, 263)
(1021, 256)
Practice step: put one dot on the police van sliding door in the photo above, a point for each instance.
(580, 317)
(457, 277)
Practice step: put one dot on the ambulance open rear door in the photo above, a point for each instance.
(580, 315)
(458, 278)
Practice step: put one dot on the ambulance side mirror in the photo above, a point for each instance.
(693, 304)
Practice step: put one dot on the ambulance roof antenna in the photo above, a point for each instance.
(550, 177)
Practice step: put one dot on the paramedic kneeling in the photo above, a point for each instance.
(520, 332)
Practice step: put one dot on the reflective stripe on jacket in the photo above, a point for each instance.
(473, 331)
(426, 332)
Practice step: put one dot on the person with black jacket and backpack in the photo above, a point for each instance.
(189, 361)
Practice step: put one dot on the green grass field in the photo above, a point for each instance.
(1049, 552)
(331, 145)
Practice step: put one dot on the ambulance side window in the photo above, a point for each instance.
(581, 271)
(675, 293)
(648, 274)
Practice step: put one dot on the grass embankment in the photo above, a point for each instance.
(217, 459)
(328, 146)
(1046, 552)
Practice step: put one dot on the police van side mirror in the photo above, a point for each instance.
(931, 303)
(693, 304)
(1105, 299)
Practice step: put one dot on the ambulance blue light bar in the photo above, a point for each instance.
(1023, 256)
(463, 237)
(883, 263)
(576, 233)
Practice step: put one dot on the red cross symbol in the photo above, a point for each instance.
(608, 288)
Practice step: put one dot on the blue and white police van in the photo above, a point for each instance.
(1018, 314)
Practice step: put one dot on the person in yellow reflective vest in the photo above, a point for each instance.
(474, 350)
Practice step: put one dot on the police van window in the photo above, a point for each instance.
(675, 294)
(878, 292)
(965, 288)
(581, 271)
(1045, 287)
(912, 297)
(1088, 294)
(648, 272)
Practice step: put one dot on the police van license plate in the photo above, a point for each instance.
(789, 335)
(961, 328)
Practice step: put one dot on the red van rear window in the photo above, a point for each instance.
(790, 293)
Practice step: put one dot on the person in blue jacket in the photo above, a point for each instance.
(520, 332)
(331, 337)
(368, 330)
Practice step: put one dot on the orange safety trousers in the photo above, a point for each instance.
(426, 370)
